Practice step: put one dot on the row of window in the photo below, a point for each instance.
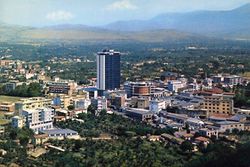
(216, 104)
(211, 111)
(217, 108)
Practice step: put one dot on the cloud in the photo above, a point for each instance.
(59, 15)
(122, 5)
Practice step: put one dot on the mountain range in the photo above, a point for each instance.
(233, 24)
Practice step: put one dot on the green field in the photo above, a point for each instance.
(11, 99)
(4, 122)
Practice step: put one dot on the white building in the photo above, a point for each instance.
(81, 103)
(175, 85)
(157, 105)
(39, 119)
(61, 134)
(195, 123)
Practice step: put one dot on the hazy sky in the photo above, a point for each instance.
(99, 12)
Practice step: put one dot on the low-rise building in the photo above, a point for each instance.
(139, 114)
(61, 134)
(202, 140)
(39, 139)
(32, 103)
(172, 139)
(242, 111)
(195, 123)
(229, 126)
(156, 105)
(7, 107)
(176, 85)
(209, 132)
(178, 118)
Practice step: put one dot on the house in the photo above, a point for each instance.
(154, 138)
(39, 139)
(61, 134)
(209, 132)
(172, 139)
(202, 140)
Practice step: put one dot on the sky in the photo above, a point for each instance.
(100, 12)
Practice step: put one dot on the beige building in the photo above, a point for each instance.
(33, 103)
(39, 139)
(139, 102)
(67, 87)
(7, 107)
(218, 104)
(78, 101)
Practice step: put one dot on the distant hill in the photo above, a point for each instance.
(169, 27)
(79, 33)
(233, 24)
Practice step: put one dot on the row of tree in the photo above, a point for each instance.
(24, 90)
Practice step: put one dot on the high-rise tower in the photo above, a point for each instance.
(108, 70)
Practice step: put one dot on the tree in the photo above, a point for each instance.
(186, 146)
(103, 112)
(91, 109)
(78, 145)
(71, 107)
(202, 147)
(235, 131)
(31, 90)
(24, 140)
(13, 134)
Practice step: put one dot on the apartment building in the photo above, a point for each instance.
(218, 103)
(78, 101)
(61, 87)
(38, 119)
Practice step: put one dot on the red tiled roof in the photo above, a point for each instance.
(202, 139)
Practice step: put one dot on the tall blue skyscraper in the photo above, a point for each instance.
(108, 70)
